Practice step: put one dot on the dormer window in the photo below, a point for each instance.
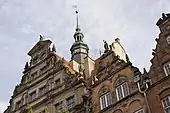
(167, 69)
(168, 39)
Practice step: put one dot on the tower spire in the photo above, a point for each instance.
(79, 50)
(78, 35)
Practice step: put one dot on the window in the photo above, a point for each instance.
(42, 90)
(122, 91)
(166, 104)
(58, 106)
(18, 104)
(105, 100)
(167, 69)
(70, 102)
(168, 39)
(34, 75)
(139, 111)
(43, 69)
(57, 83)
(32, 96)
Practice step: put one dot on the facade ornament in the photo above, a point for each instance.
(87, 99)
(127, 58)
(163, 16)
(106, 46)
(26, 66)
(53, 48)
(41, 38)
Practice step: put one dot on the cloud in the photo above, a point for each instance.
(22, 21)
(3, 106)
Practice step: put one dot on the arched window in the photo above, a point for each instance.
(105, 99)
(166, 104)
(165, 99)
(122, 89)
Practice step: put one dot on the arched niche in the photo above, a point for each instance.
(164, 93)
(134, 106)
(119, 80)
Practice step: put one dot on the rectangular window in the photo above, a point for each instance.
(43, 69)
(139, 111)
(32, 96)
(122, 91)
(70, 102)
(166, 104)
(33, 76)
(42, 90)
(105, 100)
(167, 69)
(18, 104)
(57, 82)
(58, 106)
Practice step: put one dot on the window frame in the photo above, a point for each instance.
(122, 91)
(71, 104)
(166, 68)
(58, 106)
(163, 104)
(31, 94)
(18, 104)
(57, 82)
(139, 111)
(104, 100)
(42, 90)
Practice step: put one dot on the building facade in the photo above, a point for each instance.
(108, 84)
(159, 73)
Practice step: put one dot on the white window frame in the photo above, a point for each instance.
(140, 111)
(122, 91)
(106, 100)
(167, 69)
(163, 104)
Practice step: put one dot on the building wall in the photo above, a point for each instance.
(160, 82)
(119, 72)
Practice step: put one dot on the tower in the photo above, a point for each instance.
(79, 50)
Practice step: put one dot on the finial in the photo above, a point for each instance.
(127, 58)
(41, 38)
(53, 48)
(77, 18)
(117, 40)
(144, 71)
(26, 66)
(163, 15)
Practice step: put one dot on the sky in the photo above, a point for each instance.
(22, 21)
